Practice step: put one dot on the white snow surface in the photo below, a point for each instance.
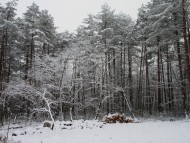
(92, 131)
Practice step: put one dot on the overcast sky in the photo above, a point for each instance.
(69, 14)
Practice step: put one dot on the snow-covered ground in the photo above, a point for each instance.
(97, 132)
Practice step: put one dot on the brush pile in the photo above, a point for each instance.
(117, 118)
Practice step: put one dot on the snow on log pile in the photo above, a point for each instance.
(117, 118)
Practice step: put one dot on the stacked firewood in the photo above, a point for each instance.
(117, 118)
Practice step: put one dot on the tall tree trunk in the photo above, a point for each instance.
(5, 56)
(106, 81)
(164, 96)
(114, 76)
(1, 76)
(139, 90)
(182, 83)
(121, 79)
(130, 76)
(27, 63)
(147, 79)
(186, 46)
(109, 80)
(124, 76)
(159, 79)
(169, 79)
(2, 61)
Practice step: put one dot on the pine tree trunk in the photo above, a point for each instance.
(169, 79)
(27, 63)
(139, 90)
(164, 96)
(130, 76)
(1, 75)
(180, 69)
(109, 80)
(186, 46)
(147, 79)
(124, 76)
(159, 80)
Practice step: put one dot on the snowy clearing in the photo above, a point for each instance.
(97, 132)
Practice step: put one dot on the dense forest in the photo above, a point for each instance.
(112, 64)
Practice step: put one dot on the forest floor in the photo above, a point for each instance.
(151, 131)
